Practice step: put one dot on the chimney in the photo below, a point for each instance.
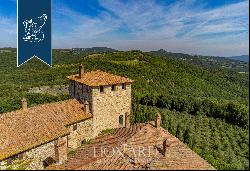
(87, 107)
(127, 120)
(158, 120)
(81, 71)
(60, 150)
(165, 148)
(24, 104)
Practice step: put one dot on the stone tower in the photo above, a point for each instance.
(108, 97)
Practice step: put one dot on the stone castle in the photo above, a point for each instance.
(39, 134)
(107, 97)
(44, 134)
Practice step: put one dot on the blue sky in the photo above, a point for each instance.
(207, 27)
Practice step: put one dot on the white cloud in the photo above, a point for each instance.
(226, 27)
(148, 25)
(84, 29)
(222, 20)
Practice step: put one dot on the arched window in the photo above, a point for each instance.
(48, 161)
(121, 119)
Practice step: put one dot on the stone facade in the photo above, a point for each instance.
(107, 106)
(79, 132)
(39, 154)
(110, 106)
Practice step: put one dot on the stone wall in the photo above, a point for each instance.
(34, 158)
(84, 131)
(39, 154)
(108, 106)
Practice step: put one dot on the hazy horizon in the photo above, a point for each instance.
(137, 49)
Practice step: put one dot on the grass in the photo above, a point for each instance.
(71, 152)
(129, 62)
(106, 132)
(86, 141)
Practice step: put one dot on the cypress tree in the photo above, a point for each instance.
(178, 131)
(187, 136)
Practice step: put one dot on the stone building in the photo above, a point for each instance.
(44, 134)
(108, 97)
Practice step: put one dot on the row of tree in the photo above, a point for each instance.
(231, 111)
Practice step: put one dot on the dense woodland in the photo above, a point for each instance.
(205, 107)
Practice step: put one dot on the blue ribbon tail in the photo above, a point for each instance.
(34, 31)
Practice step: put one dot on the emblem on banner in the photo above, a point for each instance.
(33, 29)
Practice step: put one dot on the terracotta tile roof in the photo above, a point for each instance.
(23, 130)
(99, 78)
(137, 137)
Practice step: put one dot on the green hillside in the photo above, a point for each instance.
(237, 63)
(210, 100)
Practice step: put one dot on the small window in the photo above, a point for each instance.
(113, 87)
(20, 156)
(123, 86)
(121, 119)
(74, 127)
(101, 89)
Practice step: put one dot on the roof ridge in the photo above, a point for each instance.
(33, 107)
(98, 78)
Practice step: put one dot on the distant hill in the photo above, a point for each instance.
(244, 58)
(210, 62)
(93, 50)
(7, 49)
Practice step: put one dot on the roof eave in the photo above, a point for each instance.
(6, 156)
